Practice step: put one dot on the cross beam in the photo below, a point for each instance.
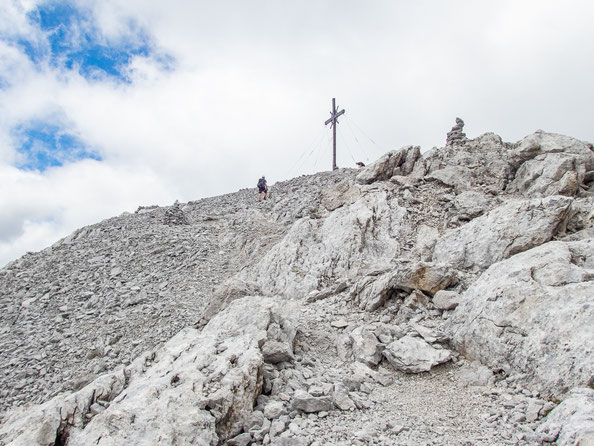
(333, 121)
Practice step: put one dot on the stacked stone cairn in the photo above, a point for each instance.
(175, 216)
(456, 135)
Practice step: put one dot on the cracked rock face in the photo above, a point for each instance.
(531, 316)
(196, 389)
(506, 230)
(352, 307)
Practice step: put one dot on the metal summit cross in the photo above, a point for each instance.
(334, 114)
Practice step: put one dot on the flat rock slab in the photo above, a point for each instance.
(307, 403)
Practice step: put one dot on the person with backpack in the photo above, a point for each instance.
(262, 187)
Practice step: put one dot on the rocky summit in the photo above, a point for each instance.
(438, 298)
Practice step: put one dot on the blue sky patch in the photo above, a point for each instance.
(45, 145)
(73, 42)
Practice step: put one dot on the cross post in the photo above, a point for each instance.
(333, 121)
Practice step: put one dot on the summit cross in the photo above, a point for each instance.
(333, 121)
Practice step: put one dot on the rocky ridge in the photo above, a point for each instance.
(443, 298)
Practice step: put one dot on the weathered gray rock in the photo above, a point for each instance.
(278, 346)
(316, 253)
(531, 316)
(427, 236)
(365, 345)
(343, 193)
(371, 292)
(550, 164)
(572, 422)
(396, 162)
(543, 143)
(198, 388)
(549, 174)
(503, 232)
(454, 176)
(274, 409)
(446, 300)
(241, 440)
(485, 161)
(304, 402)
(471, 204)
(476, 374)
(413, 355)
(341, 397)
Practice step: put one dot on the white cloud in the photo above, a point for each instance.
(250, 87)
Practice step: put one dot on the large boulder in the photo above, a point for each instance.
(469, 164)
(550, 164)
(531, 317)
(372, 291)
(457, 177)
(307, 403)
(198, 388)
(396, 162)
(411, 354)
(366, 347)
(509, 229)
(319, 252)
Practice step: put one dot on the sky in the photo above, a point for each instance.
(109, 105)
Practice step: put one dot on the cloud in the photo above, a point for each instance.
(192, 99)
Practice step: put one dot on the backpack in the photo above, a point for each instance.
(261, 182)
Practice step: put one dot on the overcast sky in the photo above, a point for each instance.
(113, 104)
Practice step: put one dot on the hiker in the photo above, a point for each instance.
(262, 187)
(360, 164)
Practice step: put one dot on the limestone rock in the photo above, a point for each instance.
(304, 402)
(453, 176)
(572, 422)
(446, 300)
(476, 374)
(365, 346)
(471, 204)
(198, 388)
(549, 174)
(278, 346)
(352, 236)
(274, 409)
(485, 161)
(530, 315)
(507, 230)
(413, 355)
(371, 292)
(396, 162)
(426, 238)
(343, 193)
(341, 397)
(550, 164)
(241, 440)
(543, 143)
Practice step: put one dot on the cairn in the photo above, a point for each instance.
(175, 216)
(456, 135)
